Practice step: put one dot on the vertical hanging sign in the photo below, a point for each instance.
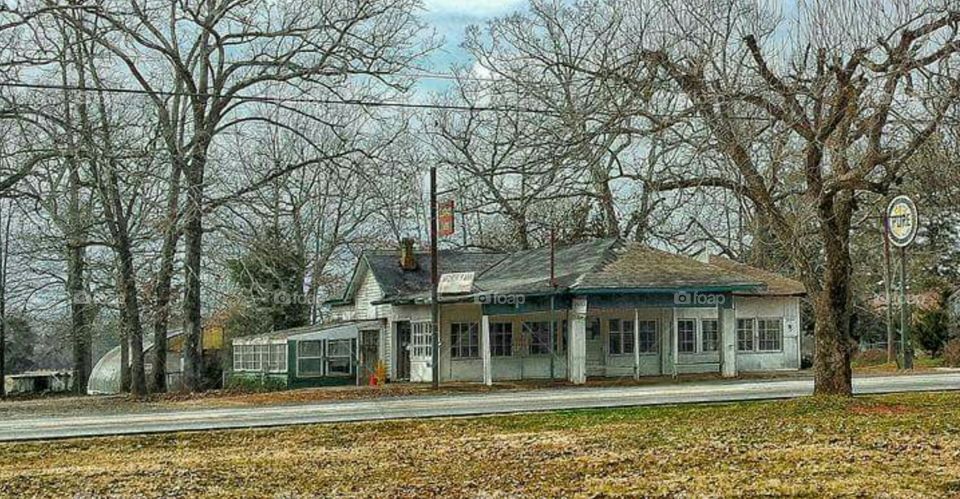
(446, 218)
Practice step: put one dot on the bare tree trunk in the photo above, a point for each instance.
(193, 225)
(164, 279)
(193, 237)
(79, 328)
(833, 302)
(124, 351)
(4, 251)
(831, 365)
(130, 312)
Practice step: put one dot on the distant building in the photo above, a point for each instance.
(39, 382)
(617, 309)
(105, 376)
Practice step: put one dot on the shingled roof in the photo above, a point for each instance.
(598, 266)
(633, 266)
(394, 281)
(528, 271)
(776, 284)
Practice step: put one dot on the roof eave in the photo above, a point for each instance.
(710, 288)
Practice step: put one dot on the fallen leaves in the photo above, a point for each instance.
(898, 445)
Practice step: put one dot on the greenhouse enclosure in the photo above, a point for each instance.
(318, 355)
(105, 376)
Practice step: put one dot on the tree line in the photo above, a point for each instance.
(151, 148)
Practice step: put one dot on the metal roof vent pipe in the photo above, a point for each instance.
(408, 260)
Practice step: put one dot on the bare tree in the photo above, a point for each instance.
(853, 100)
(217, 51)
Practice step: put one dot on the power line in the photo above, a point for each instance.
(344, 102)
(283, 100)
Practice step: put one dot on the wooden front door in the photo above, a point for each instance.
(402, 351)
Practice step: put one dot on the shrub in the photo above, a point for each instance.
(951, 353)
(254, 383)
(930, 330)
(871, 357)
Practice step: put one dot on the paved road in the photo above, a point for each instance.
(449, 405)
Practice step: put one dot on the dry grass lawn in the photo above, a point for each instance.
(896, 445)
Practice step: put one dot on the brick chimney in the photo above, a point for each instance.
(408, 260)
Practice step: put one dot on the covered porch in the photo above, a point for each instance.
(597, 335)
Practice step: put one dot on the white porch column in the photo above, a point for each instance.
(728, 340)
(636, 344)
(577, 349)
(485, 350)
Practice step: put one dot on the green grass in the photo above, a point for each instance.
(900, 445)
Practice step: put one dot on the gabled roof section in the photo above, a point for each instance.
(776, 284)
(636, 267)
(528, 271)
(394, 281)
(599, 266)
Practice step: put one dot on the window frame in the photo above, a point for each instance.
(779, 321)
(544, 348)
(421, 340)
(703, 335)
(328, 357)
(457, 346)
(498, 332)
(656, 336)
(751, 337)
(755, 334)
(319, 357)
(693, 340)
(624, 333)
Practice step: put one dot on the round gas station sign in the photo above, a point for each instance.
(902, 221)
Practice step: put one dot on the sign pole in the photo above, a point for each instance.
(904, 313)
(434, 281)
(888, 291)
(902, 223)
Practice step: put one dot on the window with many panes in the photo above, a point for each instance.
(709, 335)
(745, 335)
(537, 335)
(274, 358)
(422, 339)
(687, 336)
(464, 340)
(238, 357)
(769, 335)
(339, 357)
(251, 358)
(310, 358)
(620, 336)
(501, 339)
(648, 336)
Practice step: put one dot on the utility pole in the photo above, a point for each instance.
(4, 246)
(434, 280)
(553, 318)
(888, 291)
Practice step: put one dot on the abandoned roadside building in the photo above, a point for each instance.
(613, 309)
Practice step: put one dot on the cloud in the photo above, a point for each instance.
(472, 8)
